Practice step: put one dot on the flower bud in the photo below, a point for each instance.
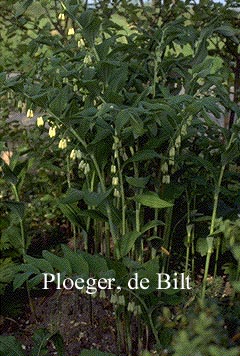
(20, 104)
(82, 164)
(71, 31)
(116, 139)
(30, 113)
(40, 121)
(114, 299)
(121, 300)
(166, 179)
(62, 143)
(115, 181)
(131, 306)
(61, 16)
(164, 167)
(184, 130)
(178, 141)
(113, 169)
(86, 169)
(172, 152)
(52, 131)
(87, 59)
(73, 155)
(116, 193)
(75, 88)
(81, 43)
(78, 154)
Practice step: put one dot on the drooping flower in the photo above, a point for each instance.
(61, 16)
(81, 43)
(52, 131)
(40, 121)
(62, 143)
(71, 31)
(115, 181)
(30, 113)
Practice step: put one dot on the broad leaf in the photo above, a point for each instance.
(152, 200)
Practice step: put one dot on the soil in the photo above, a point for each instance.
(83, 322)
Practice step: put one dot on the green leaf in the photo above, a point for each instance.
(97, 264)
(95, 199)
(202, 246)
(236, 286)
(72, 213)
(34, 281)
(8, 175)
(122, 119)
(7, 270)
(17, 207)
(142, 156)
(41, 338)
(127, 241)
(231, 154)
(152, 224)
(78, 263)
(40, 263)
(72, 195)
(152, 200)
(22, 7)
(20, 279)
(140, 182)
(149, 270)
(60, 263)
(236, 252)
(10, 346)
(58, 343)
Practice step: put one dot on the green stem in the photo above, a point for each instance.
(148, 314)
(166, 236)
(122, 197)
(217, 257)
(15, 191)
(109, 212)
(212, 227)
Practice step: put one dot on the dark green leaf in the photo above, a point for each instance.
(152, 200)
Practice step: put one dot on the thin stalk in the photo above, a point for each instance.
(128, 333)
(189, 241)
(148, 314)
(166, 237)
(109, 212)
(193, 252)
(210, 239)
(68, 172)
(213, 221)
(155, 231)
(217, 257)
(122, 197)
(15, 191)
(32, 308)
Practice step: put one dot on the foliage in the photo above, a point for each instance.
(10, 346)
(203, 335)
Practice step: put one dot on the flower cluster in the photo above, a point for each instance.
(84, 167)
(75, 154)
(62, 143)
